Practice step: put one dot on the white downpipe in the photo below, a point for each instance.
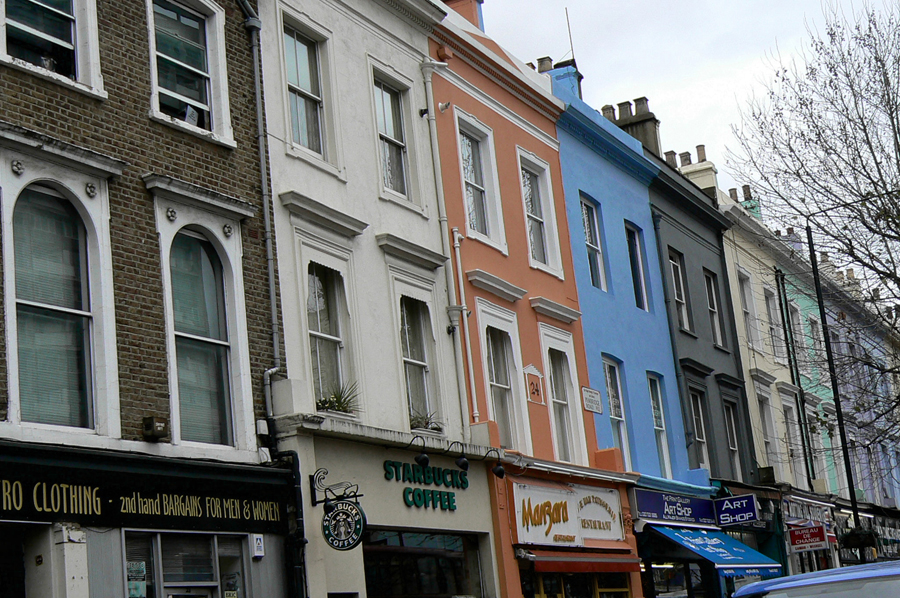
(465, 319)
(454, 311)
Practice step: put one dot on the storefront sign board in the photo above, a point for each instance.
(804, 539)
(113, 492)
(737, 510)
(566, 515)
(673, 508)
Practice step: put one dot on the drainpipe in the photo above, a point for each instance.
(295, 542)
(462, 297)
(679, 373)
(454, 310)
(253, 25)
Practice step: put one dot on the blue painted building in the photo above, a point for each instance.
(619, 277)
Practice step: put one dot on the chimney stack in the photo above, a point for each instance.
(685, 158)
(642, 124)
(545, 64)
(609, 112)
(671, 159)
(732, 193)
(701, 153)
(746, 190)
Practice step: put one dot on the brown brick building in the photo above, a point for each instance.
(135, 285)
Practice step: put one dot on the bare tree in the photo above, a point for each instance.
(822, 145)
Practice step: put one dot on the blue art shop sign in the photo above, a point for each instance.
(668, 507)
(736, 510)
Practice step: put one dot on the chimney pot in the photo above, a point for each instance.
(624, 110)
(790, 231)
(777, 232)
(850, 274)
(670, 159)
(531, 65)
(732, 193)
(609, 112)
(823, 257)
(545, 64)
(701, 153)
(746, 191)
(685, 158)
(641, 106)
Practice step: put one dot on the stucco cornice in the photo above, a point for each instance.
(71, 156)
(410, 252)
(424, 13)
(555, 310)
(325, 216)
(212, 201)
(496, 285)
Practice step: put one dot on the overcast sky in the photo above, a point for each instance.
(697, 62)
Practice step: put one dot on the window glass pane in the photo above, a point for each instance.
(326, 366)
(203, 391)
(302, 64)
(50, 251)
(182, 81)
(413, 315)
(196, 114)
(35, 16)
(470, 149)
(187, 557)
(198, 296)
(588, 221)
(180, 34)
(656, 404)
(637, 273)
(612, 390)
(140, 563)
(231, 565)
(40, 52)
(54, 384)
(416, 390)
(392, 166)
(538, 245)
(321, 304)
(532, 193)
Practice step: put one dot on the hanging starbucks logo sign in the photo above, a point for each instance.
(343, 527)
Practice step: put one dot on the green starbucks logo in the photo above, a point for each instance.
(343, 527)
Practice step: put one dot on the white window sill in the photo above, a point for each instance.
(557, 272)
(315, 160)
(165, 119)
(477, 236)
(403, 201)
(94, 92)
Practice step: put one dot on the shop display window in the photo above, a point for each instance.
(173, 565)
(575, 585)
(405, 564)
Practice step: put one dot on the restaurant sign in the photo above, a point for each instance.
(113, 492)
(567, 515)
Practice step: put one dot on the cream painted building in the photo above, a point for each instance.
(371, 339)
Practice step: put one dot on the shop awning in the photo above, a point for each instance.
(728, 555)
(570, 561)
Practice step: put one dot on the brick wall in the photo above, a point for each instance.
(120, 127)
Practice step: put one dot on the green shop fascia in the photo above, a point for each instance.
(425, 498)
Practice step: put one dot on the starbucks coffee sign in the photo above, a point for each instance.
(344, 525)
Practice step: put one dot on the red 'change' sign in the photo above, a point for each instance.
(808, 538)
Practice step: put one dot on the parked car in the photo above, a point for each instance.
(879, 580)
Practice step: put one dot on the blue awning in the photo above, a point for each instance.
(728, 555)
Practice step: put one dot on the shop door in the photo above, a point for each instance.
(582, 585)
(12, 560)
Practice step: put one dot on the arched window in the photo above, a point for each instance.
(53, 310)
(201, 340)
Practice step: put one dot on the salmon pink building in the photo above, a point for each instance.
(561, 512)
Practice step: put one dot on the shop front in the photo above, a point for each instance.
(764, 533)
(572, 540)
(81, 522)
(389, 522)
(685, 550)
(810, 533)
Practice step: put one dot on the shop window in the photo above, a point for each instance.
(176, 565)
(406, 564)
(579, 585)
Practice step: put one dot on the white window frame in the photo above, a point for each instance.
(639, 238)
(562, 341)
(494, 316)
(315, 249)
(794, 443)
(767, 424)
(493, 206)
(679, 284)
(77, 187)
(539, 167)
(711, 288)
(731, 436)
(697, 398)
(331, 159)
(212, 226)
(595, 252)
(775, 329)
(408, 284)
(795, 319)
(618, 425)
(661, 432)
(748, 310)
(220, 112)
(88, 79)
